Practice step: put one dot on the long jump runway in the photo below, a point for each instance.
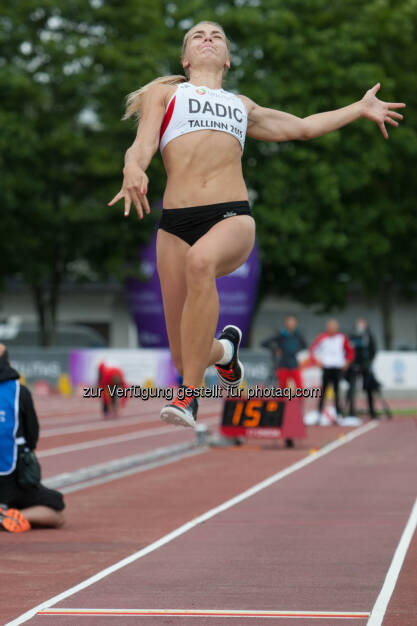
(313, 542)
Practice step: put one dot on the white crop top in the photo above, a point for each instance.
(193, 108)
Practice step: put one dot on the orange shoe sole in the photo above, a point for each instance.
(13, 521)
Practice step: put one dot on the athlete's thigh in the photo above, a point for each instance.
(170, 255)
(228, 243)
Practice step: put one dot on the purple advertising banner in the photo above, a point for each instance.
(145, 301)
(237, 294)
(148, 368)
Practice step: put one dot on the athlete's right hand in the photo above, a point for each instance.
(134, 189)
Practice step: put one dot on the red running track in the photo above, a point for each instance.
(75, 441)
(320, 539)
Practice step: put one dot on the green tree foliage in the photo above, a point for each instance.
(330, 212)
(64, 73)
(339, 209)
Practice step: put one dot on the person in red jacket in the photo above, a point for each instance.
(333, 352)
(110, 379)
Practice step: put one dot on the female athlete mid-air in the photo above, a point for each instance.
(207, 229)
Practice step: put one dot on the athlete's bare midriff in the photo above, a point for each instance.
(203, 167)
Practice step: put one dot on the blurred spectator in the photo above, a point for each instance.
(364, 344)
(110, 379)
(34, 505)
(286, 345)
(333, 352)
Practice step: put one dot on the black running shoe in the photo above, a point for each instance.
(181, 412)
(231, 374)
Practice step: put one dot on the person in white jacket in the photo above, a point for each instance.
(333, 352)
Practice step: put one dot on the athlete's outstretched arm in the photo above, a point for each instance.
(140, 153)
(272, 125)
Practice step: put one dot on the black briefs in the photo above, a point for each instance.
(191, 223)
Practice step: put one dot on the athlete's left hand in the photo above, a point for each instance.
(379, 111)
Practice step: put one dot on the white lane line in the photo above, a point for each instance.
(195, 522)
(116, 423)
(57, 417)
(208, 613)
(98, 425)
(107, 441)
(380, 607)
(93, 418)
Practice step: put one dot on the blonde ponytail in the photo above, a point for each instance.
(134, 100)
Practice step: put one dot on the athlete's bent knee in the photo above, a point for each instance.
(199, 266)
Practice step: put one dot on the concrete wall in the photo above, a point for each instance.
(107, 309)
(108, 305)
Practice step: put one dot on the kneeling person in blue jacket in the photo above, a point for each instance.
(21, 507)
